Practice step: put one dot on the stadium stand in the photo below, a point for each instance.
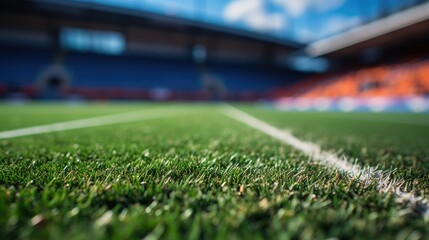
(154, 60)
(21, 67)
(405, 79)
(102, 77)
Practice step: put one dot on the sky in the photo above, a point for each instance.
(301, 21)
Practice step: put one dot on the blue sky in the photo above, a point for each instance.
(297, 20)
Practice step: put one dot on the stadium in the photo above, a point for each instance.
(226, 119)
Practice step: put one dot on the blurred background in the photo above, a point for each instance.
(339, 55)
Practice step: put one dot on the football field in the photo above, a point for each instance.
(212, 171)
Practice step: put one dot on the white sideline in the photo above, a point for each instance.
(90, 122)
(367, 175)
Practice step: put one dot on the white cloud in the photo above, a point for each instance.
(337, 23)
(331, 26)
(293, 7)
(253, 14)
(238, 9)
(298, 7)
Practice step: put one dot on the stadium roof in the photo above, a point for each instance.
(402, 25)
(148, 18)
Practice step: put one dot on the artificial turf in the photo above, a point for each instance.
(204, 175)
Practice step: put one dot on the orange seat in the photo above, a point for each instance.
(410, 78)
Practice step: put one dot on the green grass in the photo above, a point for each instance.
(204, 175)
(388, 140)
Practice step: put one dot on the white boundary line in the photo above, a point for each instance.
(91, 122)
(367, 175)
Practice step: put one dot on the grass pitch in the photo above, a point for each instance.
(204, 175)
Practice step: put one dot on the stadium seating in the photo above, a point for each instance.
(126, 77)
(100, 71)
(245, 78)
(21, 67)
(96, 76)
(406, 79)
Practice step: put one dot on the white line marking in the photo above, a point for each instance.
(91, 122)
(366, 175)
